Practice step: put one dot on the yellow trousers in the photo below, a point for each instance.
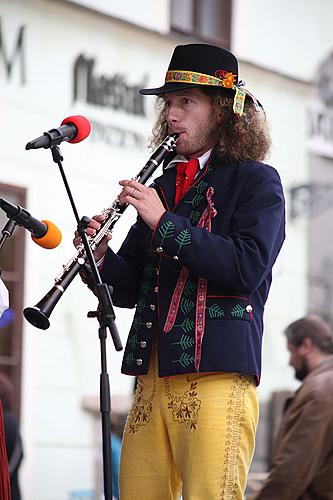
(190, 435)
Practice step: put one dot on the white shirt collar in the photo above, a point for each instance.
(180, 158)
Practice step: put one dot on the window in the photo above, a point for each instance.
(12, 272)
(208, 20)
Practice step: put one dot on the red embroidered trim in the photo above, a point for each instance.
(210, 211)
(174, 304)
(200, 320)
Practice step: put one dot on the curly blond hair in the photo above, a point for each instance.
(242, 138)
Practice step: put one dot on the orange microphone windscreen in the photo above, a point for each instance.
(52, 238)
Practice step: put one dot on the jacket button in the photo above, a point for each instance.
(249, 308)
(159, 249)
(149, 324)
(143, 344)
(156, 289)
(175, 257)
(152, 307)
(139, 362)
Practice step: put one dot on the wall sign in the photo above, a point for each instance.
(320, 112)
(13, 54)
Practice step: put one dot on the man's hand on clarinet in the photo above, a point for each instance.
(94, 226)
(144, 199)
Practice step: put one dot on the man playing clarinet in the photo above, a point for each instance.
(197, 266)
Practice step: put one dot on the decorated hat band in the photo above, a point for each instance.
(177, 76)
(227, 81)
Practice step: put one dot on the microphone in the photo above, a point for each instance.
(73, 129)
(44, 233)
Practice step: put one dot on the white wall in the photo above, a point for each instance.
(288, 36)
(146, 13)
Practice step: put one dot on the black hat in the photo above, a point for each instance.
(197, 65)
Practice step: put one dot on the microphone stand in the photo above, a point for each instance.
(106, 318)
(7, 231)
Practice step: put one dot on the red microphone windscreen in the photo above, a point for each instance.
(51, 239)
(82, 124)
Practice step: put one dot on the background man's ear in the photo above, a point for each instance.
(305, 346)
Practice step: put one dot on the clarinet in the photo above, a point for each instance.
(39, 314)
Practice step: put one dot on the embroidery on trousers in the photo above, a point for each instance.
(235, 420)
(185, 408)
(140, 412)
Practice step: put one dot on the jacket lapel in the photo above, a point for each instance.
(166, 187)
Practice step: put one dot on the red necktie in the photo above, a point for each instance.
(185, 176)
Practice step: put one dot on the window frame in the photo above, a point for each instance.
(13, 362)
(224, 41)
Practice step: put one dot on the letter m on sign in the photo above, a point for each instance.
(8, 60)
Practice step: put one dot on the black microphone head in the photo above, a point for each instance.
(41, 142)
(29, 146)
(10, 209)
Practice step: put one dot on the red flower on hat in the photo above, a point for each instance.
(228, 80)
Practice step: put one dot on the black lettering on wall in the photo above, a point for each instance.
(8, 61)
(106, 91)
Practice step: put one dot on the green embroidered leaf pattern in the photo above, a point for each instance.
(186, 305)
(201, 187)
(136, 323)
(183, 238)
(237, 311)
(141, 305)
(185, 360)
(150, 268)
(187, 325)
(166, 230)
(185, 342)
(196, 200)
(129, 359)
(194, 217)
(132, 341)
(215, 311)
(210, 169)
(145, 285)
(189, 287)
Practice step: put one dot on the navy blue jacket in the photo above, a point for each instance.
(231, 259)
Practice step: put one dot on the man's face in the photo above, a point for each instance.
(190, 113)
(298, 362)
